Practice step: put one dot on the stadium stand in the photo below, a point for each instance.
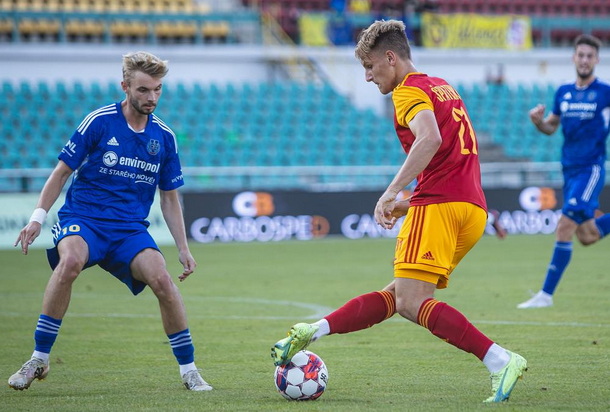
(286, 12)
(103, 6)
(179, 21)
(554, 22)
(265, 124)
(284, 123)
(530, 7)
(251, 125)
(279, 124)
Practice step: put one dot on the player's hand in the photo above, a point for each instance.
(383, 210)
(399, 210)
(537, 114)
(401, 207)
(27, 236)
(188, 263)
(495, 223)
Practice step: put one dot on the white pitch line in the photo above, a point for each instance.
(317, 312)
(156, 316)
(315, 316)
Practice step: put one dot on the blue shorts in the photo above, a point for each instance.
(112, 246)
(581, 189)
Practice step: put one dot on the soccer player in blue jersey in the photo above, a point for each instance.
(119, 155)
(583, 110)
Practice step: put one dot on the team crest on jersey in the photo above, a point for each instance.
(153, 147)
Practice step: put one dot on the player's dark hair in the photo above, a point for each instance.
(589, 41)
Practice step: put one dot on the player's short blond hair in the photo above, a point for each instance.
(386, 34)
(145, 62)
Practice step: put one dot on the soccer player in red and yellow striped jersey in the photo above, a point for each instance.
(445, 216)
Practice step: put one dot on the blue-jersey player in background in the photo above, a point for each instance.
(583, 110)
(120, 154)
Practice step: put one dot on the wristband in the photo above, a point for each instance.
(39, 215)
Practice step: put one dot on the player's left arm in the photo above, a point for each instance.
(172, 213)
(427, 141)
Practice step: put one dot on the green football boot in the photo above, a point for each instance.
(503, 382)
(299, 337)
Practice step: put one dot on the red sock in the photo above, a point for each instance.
(362, 312)
(450, 325)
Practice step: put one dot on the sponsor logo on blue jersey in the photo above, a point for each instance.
(69, 148)
(140, 164)
(110, 159)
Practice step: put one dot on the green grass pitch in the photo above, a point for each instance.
(112, 354)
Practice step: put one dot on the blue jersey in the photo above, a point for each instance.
(585, 116)
(117, 169)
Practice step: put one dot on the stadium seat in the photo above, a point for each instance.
(84, 28)
(176, 30)
(6, 28)
(602, 34)
(34, 28)
(122, 29)
(564, 36)
(216, 31)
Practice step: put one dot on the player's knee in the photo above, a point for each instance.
(587, 240)
(162, 285)
(587, 233)
(69, 267)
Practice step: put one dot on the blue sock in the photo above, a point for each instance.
(182, 346)
(603, 224)
(559, 262)
(46, 333)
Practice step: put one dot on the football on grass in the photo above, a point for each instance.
(303, 379)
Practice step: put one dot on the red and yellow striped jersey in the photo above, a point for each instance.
(454, 173)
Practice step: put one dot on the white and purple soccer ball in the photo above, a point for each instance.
(303, 379)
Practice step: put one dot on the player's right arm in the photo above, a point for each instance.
(427, 141)
(547, 125)
(50, 192)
